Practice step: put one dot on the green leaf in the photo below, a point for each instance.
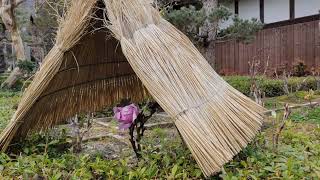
(269, 168)
(174, 170)
(54, 142)
(131, 175)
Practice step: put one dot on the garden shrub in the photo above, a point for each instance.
(271, 87)
(300, 69)
(241, 83)
(163, 158)
(19, 85)
(166, 157)
(8, 102)
(47, 156)
(3, 78)
(306, 114)
(297, 157)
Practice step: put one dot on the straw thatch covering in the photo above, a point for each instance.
(84, 72)
(87, 71)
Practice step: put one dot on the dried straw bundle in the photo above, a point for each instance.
(84, 72)
(215, 120)
(72, 28)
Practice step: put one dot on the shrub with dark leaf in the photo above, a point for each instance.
(300, 69)
(27, 66)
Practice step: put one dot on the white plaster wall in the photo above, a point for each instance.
(249, 9)
(276, 10)
(225, 24)
(306, 7)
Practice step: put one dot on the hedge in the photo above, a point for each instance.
(19, 84)
(272, 87)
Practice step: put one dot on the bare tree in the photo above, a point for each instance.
(255, 90)
(285, 77)
(256, 68)
(7, 13)
(276, 135)
(316, 75)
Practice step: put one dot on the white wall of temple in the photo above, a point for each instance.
(306, 7)
(276, 10)
(230, 6)
(249, 9)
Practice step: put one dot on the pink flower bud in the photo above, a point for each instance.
(126, 115)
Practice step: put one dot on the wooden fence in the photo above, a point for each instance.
(278, 44)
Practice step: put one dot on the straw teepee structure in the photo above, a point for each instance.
(87, 69)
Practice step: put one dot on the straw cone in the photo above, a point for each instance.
(215, 120)
(85, 71)
(77, 18)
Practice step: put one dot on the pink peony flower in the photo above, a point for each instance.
(126, 115)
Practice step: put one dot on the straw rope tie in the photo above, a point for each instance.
(209, 99)
(192, 107)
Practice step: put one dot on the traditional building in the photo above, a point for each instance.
(274, 11)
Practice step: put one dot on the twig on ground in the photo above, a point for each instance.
(78, 131)
(286, 115)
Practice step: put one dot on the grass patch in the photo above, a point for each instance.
(166, 157)
(297, 157)
(296, 98)
(8, 103)
(292, 99)
(306, 114)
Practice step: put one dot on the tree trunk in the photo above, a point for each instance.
(209, 31)
(8, 18)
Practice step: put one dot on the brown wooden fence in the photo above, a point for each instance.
(278, 44)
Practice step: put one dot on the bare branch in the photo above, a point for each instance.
(286, 115)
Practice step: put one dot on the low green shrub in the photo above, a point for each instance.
(241, 83)
(297, 157)
(44, 156)
(163, 157)
(271, 87)
(306, 114)
(166, 157)
(2, 78)
(27, 66)
(19, 85)
(8, 103)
